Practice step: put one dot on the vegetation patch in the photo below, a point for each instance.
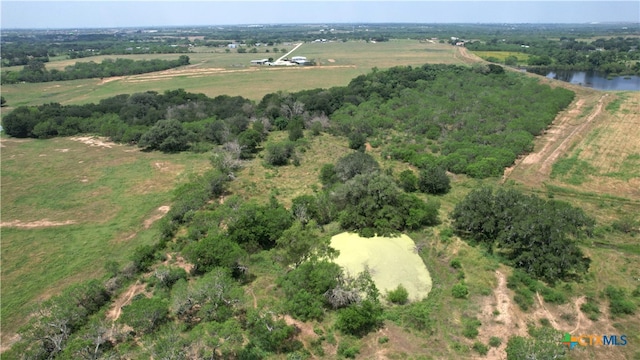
(391, 261)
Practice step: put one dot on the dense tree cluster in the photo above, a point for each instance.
(616, 55)
(443, 116)
(172, 121)
(535, 235)
(35, 70)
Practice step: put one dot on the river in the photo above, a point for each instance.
(597, 81)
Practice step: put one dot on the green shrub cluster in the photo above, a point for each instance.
(619, 302)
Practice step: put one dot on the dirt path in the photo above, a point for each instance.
(543, 312)
(158, 214)
(580, 318)
(255, 300)
(123, 300)
(463, 55)
(500, 318)
(35, 224)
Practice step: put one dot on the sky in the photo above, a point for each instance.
(106, 14)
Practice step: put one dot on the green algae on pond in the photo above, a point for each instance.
(391, 260)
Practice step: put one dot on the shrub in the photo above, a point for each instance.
(553, 296)
(357, 141)
(495, 341)
(434, 180)
(360, 319)
(278, 154)
(328, 175)
(143, 256)
(591, 308)
(408, 181)
(459, 291)
(348, 351)
(295, 130)
(470, 329)
(144, 315)
(316, 128)
(481, 348)
(455, 263)
(165, 135)
(398, 296)
(354, 164)
(618, 302)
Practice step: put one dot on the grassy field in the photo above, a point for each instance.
(223, 73)
(68, 207)
(502, 55)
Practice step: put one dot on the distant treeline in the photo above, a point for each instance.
(465, 120)
(612, 56)
(35, 71)
(19, 47)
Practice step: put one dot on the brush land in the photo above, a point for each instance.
(72, 205)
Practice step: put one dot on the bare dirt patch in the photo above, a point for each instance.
(178, 261)
(94, 141)
(35, 224)
(158, 214)
(110, 79)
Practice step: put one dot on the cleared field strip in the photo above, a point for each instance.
(589, 149)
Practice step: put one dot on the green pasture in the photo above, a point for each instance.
(218, 73)
(502, 55)
(107, 194)
(391, 261)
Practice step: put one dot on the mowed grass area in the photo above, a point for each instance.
(607, 159)
(104, 195)
(223, 73)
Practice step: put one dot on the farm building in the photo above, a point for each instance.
(259, 62)
(299, 59)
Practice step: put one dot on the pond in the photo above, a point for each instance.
(596, 80)
(391, 261)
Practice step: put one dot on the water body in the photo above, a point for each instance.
(596, 80)
(391, 261)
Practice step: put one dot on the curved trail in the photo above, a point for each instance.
(124, 299)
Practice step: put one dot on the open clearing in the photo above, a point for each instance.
(71, 204)
(390, 260)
